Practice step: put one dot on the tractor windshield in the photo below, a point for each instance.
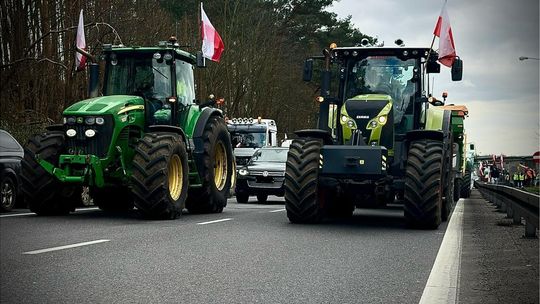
(143, 76)
(383, 75)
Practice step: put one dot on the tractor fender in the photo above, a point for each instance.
(316, 133)
(201, 122)
(167, 128)
(422, 134)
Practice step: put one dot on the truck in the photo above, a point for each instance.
(142, 142)
(250, 134)
(381, 136)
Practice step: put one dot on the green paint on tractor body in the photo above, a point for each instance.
(118, 120)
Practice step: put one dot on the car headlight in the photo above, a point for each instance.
(100, 120)
(243, 172)
(71, 132)
(90, 120)
(90, 133)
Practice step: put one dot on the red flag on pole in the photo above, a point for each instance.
(443, 30)
(80, 59)
(212, 45)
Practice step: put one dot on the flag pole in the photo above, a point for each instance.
(199, 37)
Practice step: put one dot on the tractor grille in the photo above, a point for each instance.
(97, 145)
(363, 111)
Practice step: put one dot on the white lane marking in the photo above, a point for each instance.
(442, 285)
(278, 210)
(32, 213)
(18, 214)
(65, 247)
(216, 221)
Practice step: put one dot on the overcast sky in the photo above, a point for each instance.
(500, 91)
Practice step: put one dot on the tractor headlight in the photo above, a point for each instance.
(90, 120)
(70, 120)
(71, 132)
(243, 172)
(90, 133)
(100, 120)
(382, 120)
(373, 124)
(351, 124)
(344, 118)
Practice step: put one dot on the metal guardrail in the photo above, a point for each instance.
(516, 203)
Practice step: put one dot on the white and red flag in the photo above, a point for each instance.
(80, 59)
(212, 45)
(443, 30)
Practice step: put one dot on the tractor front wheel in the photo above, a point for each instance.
(466, 185)
(44, 193)
(423, 189)
(160, 175)
(304, 199)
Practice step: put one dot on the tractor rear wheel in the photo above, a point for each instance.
(216, 175)
(44, 193)
(423, 197)
(160, 175)
(466, 185)
(112, 199)
(304, 199)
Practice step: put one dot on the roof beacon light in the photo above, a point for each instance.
(333, 45)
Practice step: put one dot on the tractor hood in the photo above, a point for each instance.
(104, 105)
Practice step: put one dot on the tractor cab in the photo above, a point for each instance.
(161, 76)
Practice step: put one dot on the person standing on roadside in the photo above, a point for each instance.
(494, 171)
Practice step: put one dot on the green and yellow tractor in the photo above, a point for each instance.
(380, 137)
(142, 142)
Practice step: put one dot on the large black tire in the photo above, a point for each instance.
(458, 184)
(112, 199)
(44, 193)
(160, 175)
(304, 200)
(466, 185)
(216, 175)
(8, 193)
(423, 189)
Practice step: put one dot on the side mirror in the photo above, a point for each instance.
(457, 70)
(308, 70)
(201, 61)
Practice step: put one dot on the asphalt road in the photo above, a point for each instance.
(253, 255)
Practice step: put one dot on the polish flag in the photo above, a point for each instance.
(80, 59)
(447, 49)
(212, 45)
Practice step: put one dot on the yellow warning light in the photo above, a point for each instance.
(333, 45)
(259, 119)
(320, 99)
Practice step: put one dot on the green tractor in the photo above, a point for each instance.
(380, 136)
(144, 142)
(461, 166)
